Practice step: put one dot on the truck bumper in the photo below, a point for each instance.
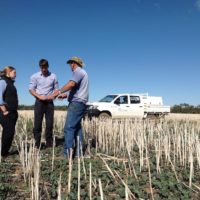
(92, 113)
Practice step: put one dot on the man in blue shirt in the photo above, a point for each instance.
(42, 85)
(78, 88)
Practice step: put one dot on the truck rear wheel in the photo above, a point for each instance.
(104, 116)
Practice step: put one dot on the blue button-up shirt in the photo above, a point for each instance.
(43, 85)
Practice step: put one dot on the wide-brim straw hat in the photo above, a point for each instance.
(77, 60)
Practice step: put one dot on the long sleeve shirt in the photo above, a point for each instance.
(43, 85)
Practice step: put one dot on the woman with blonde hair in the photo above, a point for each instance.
(8, 107)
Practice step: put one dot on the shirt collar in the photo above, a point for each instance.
(78, 68)
(49, 73)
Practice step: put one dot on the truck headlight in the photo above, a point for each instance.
(91, 107)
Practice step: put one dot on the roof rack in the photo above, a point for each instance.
(143, 94)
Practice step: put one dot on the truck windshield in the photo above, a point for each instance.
(108, 98)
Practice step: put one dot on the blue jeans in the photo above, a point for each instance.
(72, 128)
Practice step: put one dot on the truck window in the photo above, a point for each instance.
(108, 98)
(134, 99)
(121, 100)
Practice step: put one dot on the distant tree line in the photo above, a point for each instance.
(181, 108)
(185, 108)
(31, 107)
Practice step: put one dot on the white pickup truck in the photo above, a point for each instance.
(127, 105)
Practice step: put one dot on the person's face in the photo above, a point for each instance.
(44, 69)
(73, 66)
(12, 74)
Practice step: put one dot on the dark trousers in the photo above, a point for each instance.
(43, 108)
(8, 123)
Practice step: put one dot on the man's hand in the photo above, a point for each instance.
(51, 97)
(62, 96)
(42, 98)
(55, 93)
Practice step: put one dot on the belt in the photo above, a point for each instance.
(44, 101)
(77, 102)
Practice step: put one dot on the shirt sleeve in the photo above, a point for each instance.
(77, 76)
(56, 85)
(3, 86)
(33, 83)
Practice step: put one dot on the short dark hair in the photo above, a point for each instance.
(43, 62)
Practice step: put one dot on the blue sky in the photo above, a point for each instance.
(135, 46)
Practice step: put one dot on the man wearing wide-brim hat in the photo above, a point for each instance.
(78, 88)
(76, 60)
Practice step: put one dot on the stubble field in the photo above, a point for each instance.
(129, 159)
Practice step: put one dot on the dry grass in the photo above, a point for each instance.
(179, 116)
(30, 113)
(62, 114)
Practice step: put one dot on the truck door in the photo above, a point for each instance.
(121, 106)
(136, 108)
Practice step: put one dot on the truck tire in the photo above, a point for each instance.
(104, 116)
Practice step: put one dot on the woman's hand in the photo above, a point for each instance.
(3, 110)
(5, 113)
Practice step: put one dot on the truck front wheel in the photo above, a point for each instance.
(104, 116)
